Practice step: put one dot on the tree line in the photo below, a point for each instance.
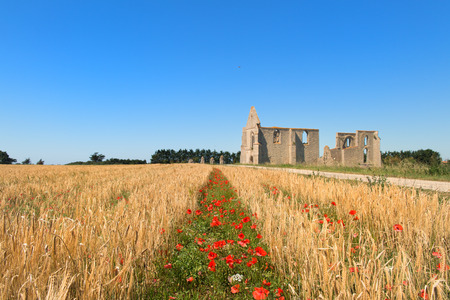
(98, 159)
(426, 157)
(170, 156)
(167, 156)
(6, 160)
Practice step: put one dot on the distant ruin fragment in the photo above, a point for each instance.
(202, 160)
(277, 145)
(353, 149)
(211, 160)
(221, 160)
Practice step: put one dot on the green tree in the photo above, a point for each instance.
(5, 159)
(40, 162)
(96, 157)
(27, 161)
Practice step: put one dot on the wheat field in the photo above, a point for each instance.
(92, 232)
(365, 259)
(84, 230)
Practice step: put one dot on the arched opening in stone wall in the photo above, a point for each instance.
(305, 137)
(365, 155)
(251, 159)
(276, 137)
(347, 142)
(252, 141)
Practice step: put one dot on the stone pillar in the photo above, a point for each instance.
(202, 160)
(292, 148)
(221, 160)
(211, 160)
(191, 161)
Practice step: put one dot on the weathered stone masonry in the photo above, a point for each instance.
(276, 145)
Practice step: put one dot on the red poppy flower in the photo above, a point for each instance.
(260, 293)
(423, 294)
(266, 282)
(235, 289)
(198, 212)
(354, 270)
(190, 279)
(212, 255)
(259, 236)
(333, 203)
(253, 226)
(179, 247)
(246, 220)
(241, 243)
(443, 267)
(352, 212)
(219, 244)
(241, 236)
(260, 251)
(278, 292)
(229, 258)
(437, 254)
(189, 211)
(168, 266)
(398, 227)
(215, 222)
(212, 266)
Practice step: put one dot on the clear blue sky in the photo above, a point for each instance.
(125, 78)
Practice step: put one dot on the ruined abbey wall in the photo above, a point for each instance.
(288, 145)
(277, 145)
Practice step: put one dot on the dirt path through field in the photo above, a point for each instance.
(441, 186)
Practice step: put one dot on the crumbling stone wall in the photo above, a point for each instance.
(277, 145)
(353, 149)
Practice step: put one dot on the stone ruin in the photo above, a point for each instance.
(353, 149)
(202, 160)
(277, 145)
(221, 160)
(211, 160)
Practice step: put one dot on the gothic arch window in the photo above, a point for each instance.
(277, 137)
(347, 142)
(366, 138)
(252, 140)
(366, 152)
(305, 137)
